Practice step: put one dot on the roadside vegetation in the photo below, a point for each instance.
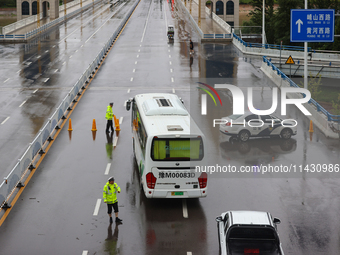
(277, 21)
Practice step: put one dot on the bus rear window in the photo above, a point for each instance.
(177, 149)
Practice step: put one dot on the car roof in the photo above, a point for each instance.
(250, 217)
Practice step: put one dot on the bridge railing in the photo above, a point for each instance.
(271, 46)
(17, 176)
(330, 117)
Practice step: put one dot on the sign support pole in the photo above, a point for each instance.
(305, 79)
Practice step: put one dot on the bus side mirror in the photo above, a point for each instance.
(128, 105)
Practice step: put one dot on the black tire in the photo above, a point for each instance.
(244, 135)
(286, 133)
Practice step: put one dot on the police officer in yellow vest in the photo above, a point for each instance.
(110, 197)
(109, 116)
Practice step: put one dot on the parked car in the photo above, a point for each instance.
(248, 232)
(251, 125)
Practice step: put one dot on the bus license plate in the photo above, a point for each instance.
(178, 193)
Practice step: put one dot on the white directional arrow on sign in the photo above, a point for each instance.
(299, 23)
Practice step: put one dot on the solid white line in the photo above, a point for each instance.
(46, 80)
(22, 103)
(107, 170)
(185, 208)
(128, 91)
(5, 121)
(172, 79)
(131, 79)
(85, 252)
(96, 209)
(121, 120)
(173, 91)
(146, 24)
(134, 70)
(115, 141)
(35, 91)
(6, 80)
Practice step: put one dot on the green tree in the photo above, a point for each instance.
(336, 106)
(256, 18)
(314, 86)
(282, 20)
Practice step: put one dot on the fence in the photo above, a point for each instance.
(35, 149)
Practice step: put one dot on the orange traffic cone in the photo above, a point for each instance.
(94, 126)
(70, 125)
(311, 130)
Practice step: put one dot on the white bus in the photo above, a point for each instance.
(167, 145)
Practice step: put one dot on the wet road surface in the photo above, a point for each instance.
(58, 212)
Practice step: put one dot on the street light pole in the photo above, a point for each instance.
(263, 16)
(305, 73)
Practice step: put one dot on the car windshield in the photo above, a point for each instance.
(234, 116)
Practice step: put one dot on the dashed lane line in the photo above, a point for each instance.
(185, 208)
(96, 209)
(23, 103)
(107, 170)
(5, 121)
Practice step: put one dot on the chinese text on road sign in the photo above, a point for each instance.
(311, 25)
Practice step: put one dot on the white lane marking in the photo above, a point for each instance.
(6, 80)
(19, 71)
(172, 79)
(124, 104)
(85, 252)
(140, 45)
(5, 121)
(56, 70)
(168, 50)
(23, 103)
(28, 63)
(121, 120)
(46, 51)
(169, 56)
(134, 70)
(64, 63)
(38, 56)
(96, 209)
(189, 253)
(71, 56)
(185, 208)
(46, 80)
(138, 50)
(76, 50)
(53, 46)
(115, 141)
(82, 46)
(173, 91)
(137, 56)
(128, 91)
(135, 62)
(107, 170)
(105, 22)
(170, 70)
(35, 91)
(146, 24)
(170, 63)
(131, 79)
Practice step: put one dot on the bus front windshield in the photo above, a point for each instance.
(177, 149)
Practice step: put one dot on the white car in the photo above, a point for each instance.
(251, 125)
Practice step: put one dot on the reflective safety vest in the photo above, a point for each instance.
(110, 193)
(109, 113)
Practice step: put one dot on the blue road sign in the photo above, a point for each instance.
(311, 25)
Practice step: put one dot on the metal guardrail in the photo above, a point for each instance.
(330, 117)
(271, 46)
(35, 149)
(216, 36)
